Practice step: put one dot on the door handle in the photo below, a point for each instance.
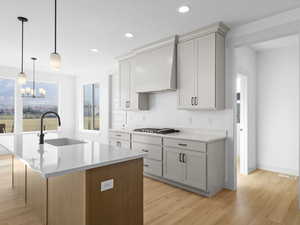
(183, 145)
(183, 158)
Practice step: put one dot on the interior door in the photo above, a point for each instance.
(186, 73)
(173, 168)
(195, 169)
(206, 80)
(124, 73)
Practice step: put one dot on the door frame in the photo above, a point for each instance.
(244, 121)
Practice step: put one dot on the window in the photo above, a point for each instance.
(7, 105)
(33, 108)
(91, 107)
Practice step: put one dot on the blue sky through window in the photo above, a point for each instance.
(7, 91)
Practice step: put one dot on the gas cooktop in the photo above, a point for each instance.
(157, 130)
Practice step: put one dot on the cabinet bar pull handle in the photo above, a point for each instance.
(192, 102)
(196, 102)
(184, 145)
(183, 158)
(144, 150)
(118, 135)
(146, 165)
(179, 157)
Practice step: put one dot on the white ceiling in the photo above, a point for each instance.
(288, 41)
(86, 24)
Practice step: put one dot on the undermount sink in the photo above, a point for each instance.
(63, 142)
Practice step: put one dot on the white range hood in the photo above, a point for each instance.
(155, 67)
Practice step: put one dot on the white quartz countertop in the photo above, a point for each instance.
(49, 160)
(203, 136)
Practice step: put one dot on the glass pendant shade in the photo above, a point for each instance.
(55, 61)
(22, 91)
(42, 91)
(22, 78)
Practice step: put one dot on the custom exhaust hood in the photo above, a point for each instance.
(154, 68)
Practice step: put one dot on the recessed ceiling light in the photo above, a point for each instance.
(184, 9)
(94, 50)
(129, 35)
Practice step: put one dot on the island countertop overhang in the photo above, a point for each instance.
(50, 161)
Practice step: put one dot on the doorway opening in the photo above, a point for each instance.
(267, 110)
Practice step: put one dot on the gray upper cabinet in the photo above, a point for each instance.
(201, 69)
(124, 78)
(129, 99)
(186, 74)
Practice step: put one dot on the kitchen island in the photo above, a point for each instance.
(79, 183)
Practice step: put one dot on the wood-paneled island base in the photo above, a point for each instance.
(76, 198)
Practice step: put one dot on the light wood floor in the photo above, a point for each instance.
(263, 198)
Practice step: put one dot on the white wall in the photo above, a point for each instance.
(278, 110)
(66, 97)
(245, 59)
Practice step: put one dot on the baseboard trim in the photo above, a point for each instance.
(279, 170)
(251, 170)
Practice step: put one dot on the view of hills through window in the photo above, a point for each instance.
(7, 103)
(33, 108)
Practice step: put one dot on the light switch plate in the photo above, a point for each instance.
(107, 185)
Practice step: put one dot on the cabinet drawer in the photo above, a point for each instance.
(147, 139)
(185, 144)
(119, 135)
(119, 143)
(152, 151)
(153, 167)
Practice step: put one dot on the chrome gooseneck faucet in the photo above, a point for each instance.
(42, 135)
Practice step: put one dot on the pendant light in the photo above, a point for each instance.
(31, 92)
(55, 59)
(22, 78)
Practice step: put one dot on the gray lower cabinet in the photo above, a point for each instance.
(195, 169)
(186, 167)
(194, 165)
(119, 139)
(153, 167)
(119, 143)
(173, 167)
(189, 164)
(152, 146)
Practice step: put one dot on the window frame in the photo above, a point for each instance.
(81, 107)
(15, 102)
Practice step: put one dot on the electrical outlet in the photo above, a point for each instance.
(107, 185)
